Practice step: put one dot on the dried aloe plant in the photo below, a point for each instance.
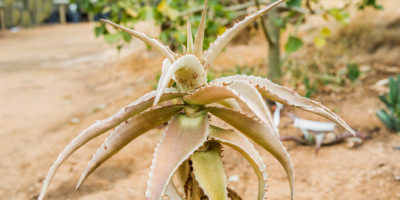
(190, 147)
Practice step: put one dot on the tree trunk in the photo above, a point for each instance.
(2, 19)
(62, 13)
(274, 54)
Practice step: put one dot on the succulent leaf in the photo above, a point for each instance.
(181, 138)
(255, 101)
(392, 91)
(285, 96)
(209, 172)
(385, 100)
(172, 192)
(220, 43)
(230, 103)
(260, 134)
(385, 118)
(126, 132)
(210, 94)
(158, 46)
(103, 126)
(188, 72)
(243, 92)
(189, 37)
(243, 146)
(198, 43)
(182, 174)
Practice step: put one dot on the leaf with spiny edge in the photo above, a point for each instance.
(198, 43)
(182, 174)
(255, 101)
(126, 132)
(182, 137)
(260, 134)
(243, 146)
(172, 192)
(103, 126)
(187, 69)
(166, 65)
(288, 97)
(230, 103)
(158, 46)
(209, 171)
(243, 92)
(220, 43)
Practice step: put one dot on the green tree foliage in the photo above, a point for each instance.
(171, 15)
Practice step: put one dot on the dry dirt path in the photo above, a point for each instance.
(52, 75)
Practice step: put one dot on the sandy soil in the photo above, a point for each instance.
(57, 80)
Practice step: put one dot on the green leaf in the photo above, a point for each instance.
(385, 118)
(385, 100)
(126, 36)
(392, 91)
(99, 30)
(339, 15)
(293, 3)
(371, 3)
(113, 38)
(353, 72)
(398, 89)
(293, 44)
(209, 172)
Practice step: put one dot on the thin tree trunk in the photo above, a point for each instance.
(272, 34)
(2, 19)
(62, 13)
(274, 54)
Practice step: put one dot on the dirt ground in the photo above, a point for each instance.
(57, 80)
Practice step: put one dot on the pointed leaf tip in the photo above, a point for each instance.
(103, 126)
(287, 97)
(189, 37)
(198, 44)
(158, 46)
(221, 42)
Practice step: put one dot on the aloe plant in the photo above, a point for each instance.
(190, 146)
(391, 119)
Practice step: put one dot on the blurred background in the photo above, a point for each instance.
(61, 70)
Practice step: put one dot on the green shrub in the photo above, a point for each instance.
(391, 115)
